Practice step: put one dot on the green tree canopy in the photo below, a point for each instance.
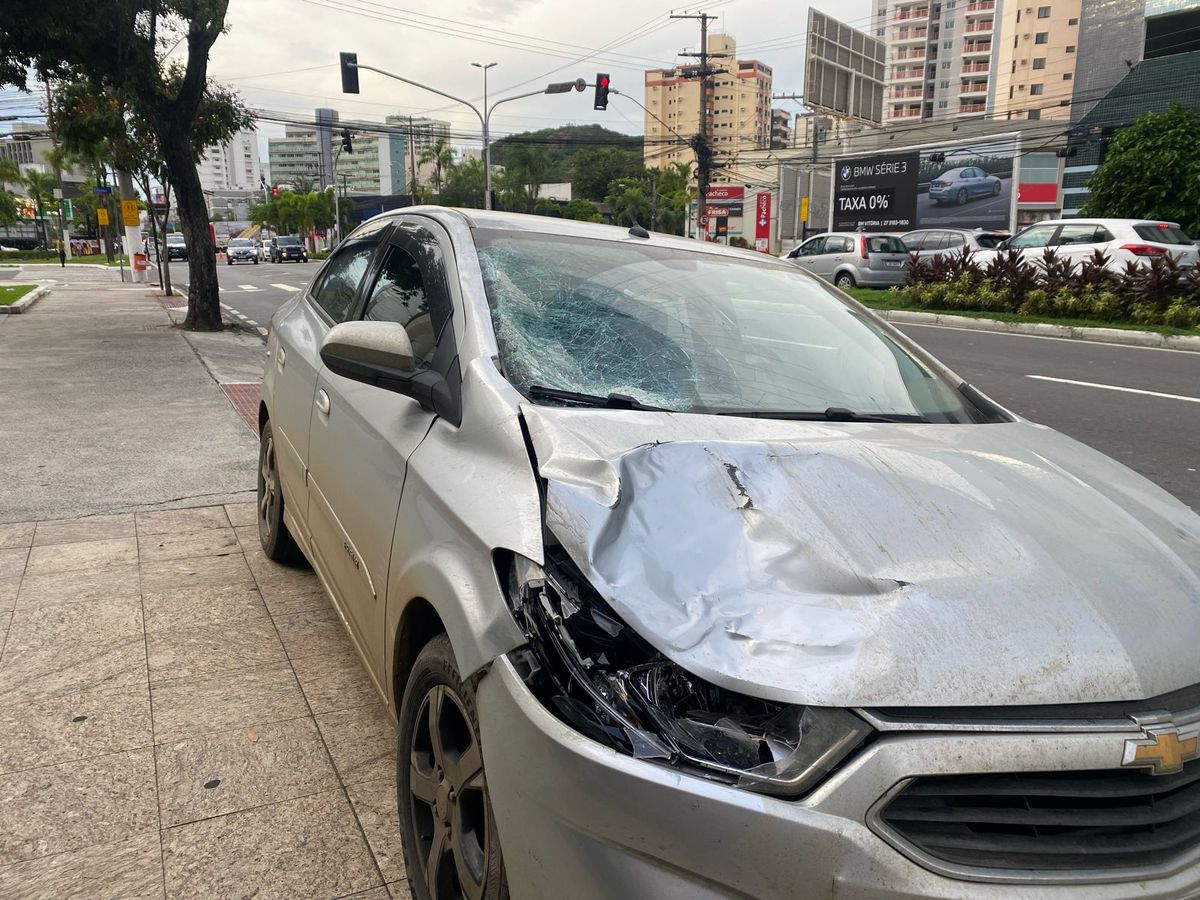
(593, 169)
(1151, 170)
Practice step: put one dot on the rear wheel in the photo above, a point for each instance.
(844, 280)
(450, 844)
(273, 534)
(995, 189)
(962, 196)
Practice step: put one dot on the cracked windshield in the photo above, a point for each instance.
(693, 332)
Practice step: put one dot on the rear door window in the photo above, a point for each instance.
(1085, 233)
(1162, 234)
(839, 244)
(954, 239)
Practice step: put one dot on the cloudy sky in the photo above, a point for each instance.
(282, 54)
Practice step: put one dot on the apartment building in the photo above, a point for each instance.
(940, 57)
(233, 165)
(1038, 46)
(377, 164)
(738, 106)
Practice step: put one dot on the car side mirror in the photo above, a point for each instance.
(380, 354)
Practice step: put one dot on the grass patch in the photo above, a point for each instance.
(11, 293)
(883, 298)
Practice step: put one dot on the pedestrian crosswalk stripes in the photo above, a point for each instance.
(249, 287)
(285, 287)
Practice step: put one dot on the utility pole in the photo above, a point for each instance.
(487, 150)
(702, 146)
(412, 161)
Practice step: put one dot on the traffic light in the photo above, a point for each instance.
(347, 146)
(601, 101)
(349, 64)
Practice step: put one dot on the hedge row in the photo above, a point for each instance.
(1159, 293)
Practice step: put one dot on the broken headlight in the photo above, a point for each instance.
(600, 677)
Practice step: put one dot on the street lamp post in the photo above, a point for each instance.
(487, 152)
(350, 64)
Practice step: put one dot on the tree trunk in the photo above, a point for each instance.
(204, 304)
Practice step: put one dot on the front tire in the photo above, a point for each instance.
(449, 835)
(844, 280)
(996, 189)
(273, 534)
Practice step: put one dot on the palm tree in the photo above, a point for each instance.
(629, 202)
(9, 173)
(40, 188)
(442, 156)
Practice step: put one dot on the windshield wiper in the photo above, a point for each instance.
(611, 401)
(832, 414)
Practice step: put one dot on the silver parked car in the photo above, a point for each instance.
(930, 242)
(963, 184)
(853, 259)
(686, 576)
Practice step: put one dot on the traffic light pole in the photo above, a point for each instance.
(558, 87)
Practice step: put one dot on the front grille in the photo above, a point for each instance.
(1051, 821)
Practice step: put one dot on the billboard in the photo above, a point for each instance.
(843, 70)
(954, 186)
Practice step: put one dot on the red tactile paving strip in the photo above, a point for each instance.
(172, 302)
(244, 398)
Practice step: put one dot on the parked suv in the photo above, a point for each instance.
(685, 576)
(241, 250)
(288, 247)
(1122, 240)
(176, 247)
(851, 258)
(929, 242)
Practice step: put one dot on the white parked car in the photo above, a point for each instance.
(1123, 240)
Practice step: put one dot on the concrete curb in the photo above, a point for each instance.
(25, 302)
(54, 265)
(1045, 329)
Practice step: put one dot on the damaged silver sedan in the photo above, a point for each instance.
(685, 576)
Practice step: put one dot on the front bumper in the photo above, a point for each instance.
(578, 820)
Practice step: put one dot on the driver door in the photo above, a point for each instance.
(808, 252)
(361, 436)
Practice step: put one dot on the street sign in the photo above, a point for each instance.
(803, 210)
(101, 215)
(762, 222)
(129, 214)
(102, 190)
(68, 211)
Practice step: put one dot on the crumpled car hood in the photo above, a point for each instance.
(878, 564)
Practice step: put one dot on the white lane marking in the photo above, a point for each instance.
(285, 287)
(1036, 337)
(249, 287)
(1114, 387)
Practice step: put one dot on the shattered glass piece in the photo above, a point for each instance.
(646, 745)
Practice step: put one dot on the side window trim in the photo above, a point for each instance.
(310, 295)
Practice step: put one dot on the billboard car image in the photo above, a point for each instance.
(963, 187)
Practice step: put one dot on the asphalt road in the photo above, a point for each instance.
(1158, 436)
(981, 212)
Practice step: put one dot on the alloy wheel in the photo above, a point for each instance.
(268, 487)
(450, 807)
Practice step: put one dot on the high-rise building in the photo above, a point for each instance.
(781, 129)
(940, 57)
(375, 165)
(738, 107)
(1036, 62)
(425, 131)
(233, 165)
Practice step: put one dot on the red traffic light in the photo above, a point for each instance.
(601, 100)
(603, 81)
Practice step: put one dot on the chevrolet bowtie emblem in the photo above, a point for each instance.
(1163, 750)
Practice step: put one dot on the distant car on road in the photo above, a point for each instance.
(288, 247)
(176, 247)
(241, 250)
(1121, 240)
(853, 259)
(262, 250)
(963, 184)
(929, 242)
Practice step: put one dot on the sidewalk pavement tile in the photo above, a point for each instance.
(86, 622)
(199, 606)
(129, 869)
(73, 726)
(166, 521)
(16, 535)
(12, 562)
(8, 593)
(243, 514)
(374, 804)
(83, 555)
(94, 528)
(188, 706)
(188, 544)
(27, 675)
(362, 742)
(76, 804)
(74, 587)
(184, 652)
(310, 847)
(335, 682)
(400, 890)
(214, 774)
(379, 893)
(175, 574)
(315, 632)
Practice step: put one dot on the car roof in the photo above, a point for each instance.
(971, 231)
(1087, 220)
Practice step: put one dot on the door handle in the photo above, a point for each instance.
(281, 357)
(322, 401)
